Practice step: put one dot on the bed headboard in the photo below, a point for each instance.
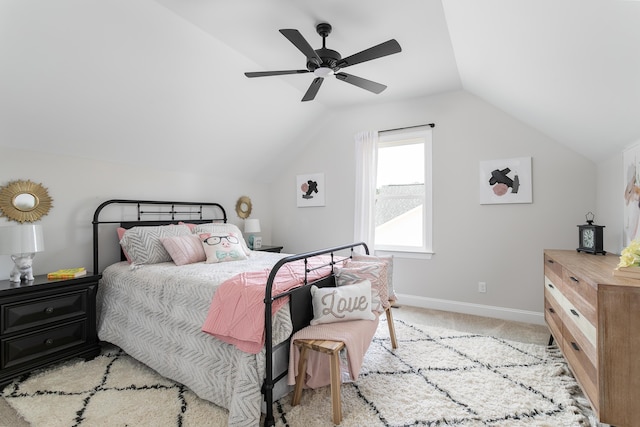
(136, 213)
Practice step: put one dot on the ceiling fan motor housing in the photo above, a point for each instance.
(329, 57)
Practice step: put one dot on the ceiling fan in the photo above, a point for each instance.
(324, 62)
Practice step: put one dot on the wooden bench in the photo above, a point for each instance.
(332, 348)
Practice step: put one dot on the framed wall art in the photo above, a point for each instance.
(506, 181)
(310, 190)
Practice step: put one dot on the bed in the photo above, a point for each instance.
(155, 311)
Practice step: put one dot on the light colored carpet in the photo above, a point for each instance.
(504, 378)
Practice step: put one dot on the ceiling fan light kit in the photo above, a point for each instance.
(324, 62)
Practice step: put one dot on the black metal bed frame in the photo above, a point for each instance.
(299, 297)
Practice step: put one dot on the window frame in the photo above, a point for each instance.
(403, 137)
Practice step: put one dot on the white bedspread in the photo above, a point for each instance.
(155, 313)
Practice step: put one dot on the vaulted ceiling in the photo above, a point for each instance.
(121, 79)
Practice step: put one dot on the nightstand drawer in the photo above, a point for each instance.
(26, 348)
(41, 311)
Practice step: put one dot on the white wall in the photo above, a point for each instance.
(78, 186)
(610, 201)
(501, 245)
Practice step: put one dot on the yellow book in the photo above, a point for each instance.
(67, 273)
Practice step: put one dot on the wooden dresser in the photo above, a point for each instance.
(595, 319)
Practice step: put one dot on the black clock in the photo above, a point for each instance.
(590, 237)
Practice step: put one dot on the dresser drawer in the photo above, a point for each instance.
(552, 269)
(29, 347)
(573, 318)
(552, 312)
(583, 369)
(581, 294)
(37, 312)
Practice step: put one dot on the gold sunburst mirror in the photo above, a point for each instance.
(243, 207)
(24, 201)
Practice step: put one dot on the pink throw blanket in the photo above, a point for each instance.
(356, 336)
(236, 314)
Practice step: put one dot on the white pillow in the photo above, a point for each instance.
(223, 228)
(343, 303)
(143, 244)
(222, 247)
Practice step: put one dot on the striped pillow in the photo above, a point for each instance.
(143, 244)
(375, 272)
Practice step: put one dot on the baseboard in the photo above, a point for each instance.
(474, 309)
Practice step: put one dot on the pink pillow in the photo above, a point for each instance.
(387, 260)
(191, 226)
(121, 231)
(184, 249)
(375, 272)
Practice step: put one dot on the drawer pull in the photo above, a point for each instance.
(551, 310)
(574, 279)
(575, 313)
(48, 310)
(575, 346)
(550, 285)
(48, 341)
(550, 261)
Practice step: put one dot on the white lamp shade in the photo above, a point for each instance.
(252, 226)
(21, 239)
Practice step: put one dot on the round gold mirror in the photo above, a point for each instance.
(243, 207)
(24, 201)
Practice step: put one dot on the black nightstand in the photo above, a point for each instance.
(267, 248)
(46, 321)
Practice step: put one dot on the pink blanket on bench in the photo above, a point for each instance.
(236, 314)
(356, 336)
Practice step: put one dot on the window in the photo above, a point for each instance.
(393, 198)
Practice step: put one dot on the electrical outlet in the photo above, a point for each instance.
(482, 287)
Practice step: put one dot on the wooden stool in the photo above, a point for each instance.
(332, 348)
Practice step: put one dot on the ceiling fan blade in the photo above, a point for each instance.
(383, 49)
(301, 43)
(360, 82)
(313, 89)
(274, 73)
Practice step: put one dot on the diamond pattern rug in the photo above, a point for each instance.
(436, 377)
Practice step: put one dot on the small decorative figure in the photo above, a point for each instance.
(22, 267)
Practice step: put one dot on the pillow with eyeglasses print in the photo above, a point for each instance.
(222, 247)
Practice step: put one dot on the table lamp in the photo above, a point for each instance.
(21, 242)
(251, 226)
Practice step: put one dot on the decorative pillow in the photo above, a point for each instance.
(221, 247)
(223, 228)
(374, 272)
(339, 304)
(121, 231)
(143, 245)
(184, 249)
(191, 226)
(387, 260)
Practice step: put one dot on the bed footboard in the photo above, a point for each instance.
(301, 309)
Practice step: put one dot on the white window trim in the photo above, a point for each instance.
(363, 227)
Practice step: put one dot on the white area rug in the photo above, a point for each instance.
(437, 377)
